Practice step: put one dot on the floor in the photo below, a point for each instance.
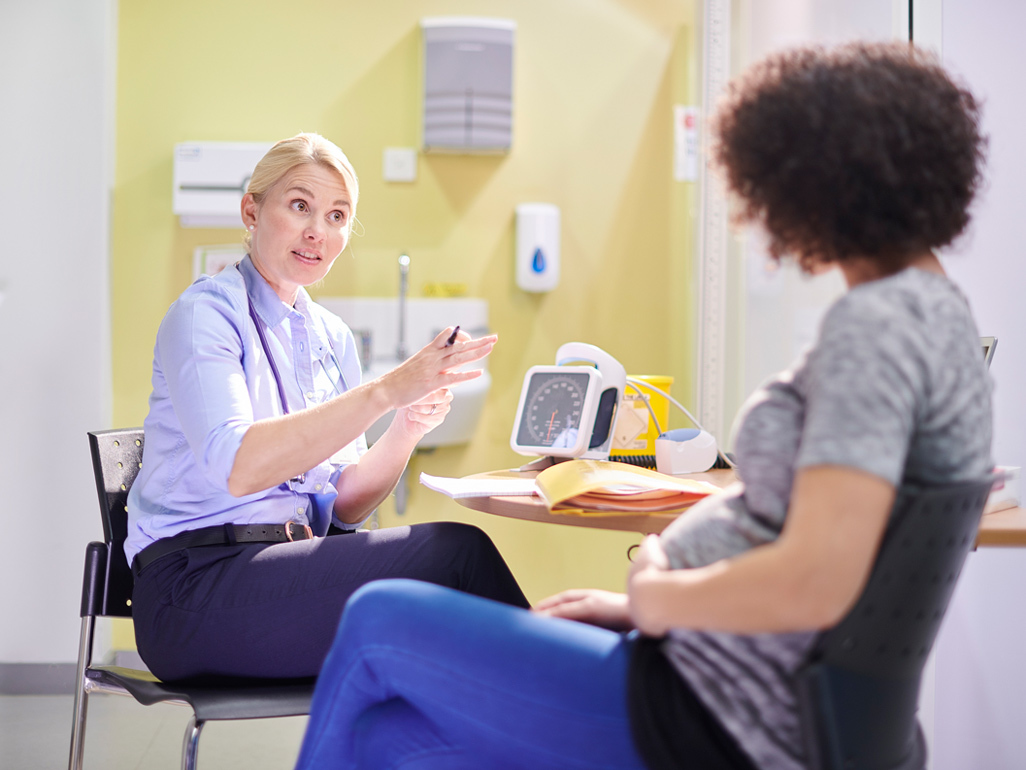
(35, 734)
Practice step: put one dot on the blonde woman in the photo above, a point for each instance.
(255, 450)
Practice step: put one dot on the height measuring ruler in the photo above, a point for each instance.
(712, 231)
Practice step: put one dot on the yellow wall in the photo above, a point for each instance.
(595, 81)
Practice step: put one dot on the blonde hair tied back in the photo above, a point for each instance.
(295, 151)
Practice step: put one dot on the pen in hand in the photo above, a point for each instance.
(452, 337)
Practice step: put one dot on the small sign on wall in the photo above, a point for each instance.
(211, 260)
(685, 143)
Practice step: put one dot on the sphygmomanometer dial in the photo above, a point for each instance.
(554, 410)
(556, 413)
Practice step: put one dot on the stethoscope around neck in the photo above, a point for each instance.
(301, 478)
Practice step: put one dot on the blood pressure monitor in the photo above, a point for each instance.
(557, 410)
(568, 410)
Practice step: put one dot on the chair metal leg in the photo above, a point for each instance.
(85, 649)
(190, 746)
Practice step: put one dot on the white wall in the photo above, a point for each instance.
(782, 309)
(974, 701)
(979, 675)
(55, 154)
(981, 669)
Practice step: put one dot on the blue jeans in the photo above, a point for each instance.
(422, 676)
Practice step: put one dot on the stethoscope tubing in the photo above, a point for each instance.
(301, 478)
(274, 367)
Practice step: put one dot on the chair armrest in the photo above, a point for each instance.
(94, 580)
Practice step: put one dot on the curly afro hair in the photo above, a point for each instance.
(866, 150)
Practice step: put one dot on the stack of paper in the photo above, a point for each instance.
(1005, 492)
(477, 486)
(598, 486)
(590, 487)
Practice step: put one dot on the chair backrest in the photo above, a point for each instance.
(859, 688)
(117, 457)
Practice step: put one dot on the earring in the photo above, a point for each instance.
(252, 227)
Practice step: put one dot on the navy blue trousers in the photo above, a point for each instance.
(272, 610)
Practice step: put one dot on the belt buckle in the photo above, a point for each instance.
(304, 528)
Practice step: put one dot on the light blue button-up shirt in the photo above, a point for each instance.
(211, 381)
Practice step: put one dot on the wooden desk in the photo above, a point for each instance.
(1005, 528)
(999, 529)
(533, 509)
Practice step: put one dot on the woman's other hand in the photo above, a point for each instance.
(588, 605)
(419, 390)
(649, 562)
(434, 367)
(649, 555)
(425, 415)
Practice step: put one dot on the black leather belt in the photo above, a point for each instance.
(227, 534)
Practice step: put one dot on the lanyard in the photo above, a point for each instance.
(274, 367)
(301, 478)
(270, 358)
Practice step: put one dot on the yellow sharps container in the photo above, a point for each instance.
(635, 433)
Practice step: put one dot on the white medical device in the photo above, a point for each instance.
(685, 450)
(569, 410)
(210, 179)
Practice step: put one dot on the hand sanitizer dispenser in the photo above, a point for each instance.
(537, 246)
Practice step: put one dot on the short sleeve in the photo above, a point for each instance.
(862, 382)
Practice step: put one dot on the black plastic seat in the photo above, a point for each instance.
(859, 688)
(107, 592)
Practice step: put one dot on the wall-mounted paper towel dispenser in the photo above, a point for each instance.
(468, 84)
(210, 179)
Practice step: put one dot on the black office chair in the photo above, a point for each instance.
(107, 592)
(859, 688)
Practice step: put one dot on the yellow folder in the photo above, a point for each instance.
(596, 486)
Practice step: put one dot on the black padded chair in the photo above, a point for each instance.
(107, 592)
(859, 688)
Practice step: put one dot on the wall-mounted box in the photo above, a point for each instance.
(211, 260)
(468, 84)
(537, 246)
(210, 179)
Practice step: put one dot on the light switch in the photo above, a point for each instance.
(400, 164)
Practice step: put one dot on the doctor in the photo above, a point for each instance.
(255, 449)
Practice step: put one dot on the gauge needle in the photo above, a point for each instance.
(552, 419)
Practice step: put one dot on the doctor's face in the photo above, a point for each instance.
(299, 228)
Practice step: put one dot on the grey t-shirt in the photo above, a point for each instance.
(895, 386)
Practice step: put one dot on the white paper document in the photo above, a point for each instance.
(479, 487)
